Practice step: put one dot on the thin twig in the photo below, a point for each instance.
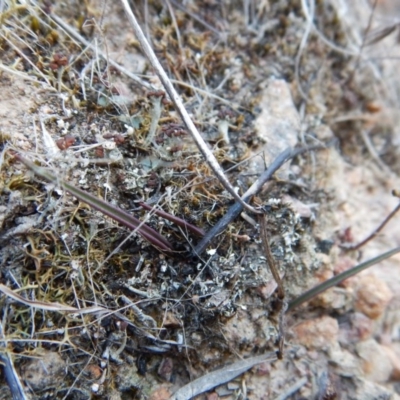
(237, 208)
(108, 209)
(176, 99)
(281, 326)
(262, 219)
(330, 44)
(364, 40)
(373, 152)
(140, 315)
(303, 45)
(315, 291)
(178, 221)
(350, 246)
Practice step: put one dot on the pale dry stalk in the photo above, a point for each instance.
(175, 98)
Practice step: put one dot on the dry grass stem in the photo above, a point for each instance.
(237, 208)
(174, 96)
(351, 246)
(262, 219)
(115, 213)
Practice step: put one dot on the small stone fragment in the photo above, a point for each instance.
(372, 296)
(278, 123)
(94, 371)
(367, 390)
(45, 371)
(212, 396)
(395, 360)
(319, 333)
(346, 364)
(162, 393)
(375, 362)
(357, 328)
(240, 329)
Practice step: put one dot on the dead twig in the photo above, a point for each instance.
(262, 219)
(237, 208)
(281, 326)
(178, 221)
(116, 213)
(292, 389)
(176, 99)
(350, 246)
(196, 18)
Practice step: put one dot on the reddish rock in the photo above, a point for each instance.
(162, 393)
(317, 333)
(372, 296)
(94, 371)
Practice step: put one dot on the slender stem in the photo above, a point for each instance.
(349, 246)
(201, 144)
(115, 213)
(178, 221)
(237, 208)
(262, 219)
(340, 278)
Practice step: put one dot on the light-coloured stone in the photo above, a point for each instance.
(240, 329)
(395, 360)
(367, 390)
(45, 371)
(375, 363)
(278, 124)
(346, 364)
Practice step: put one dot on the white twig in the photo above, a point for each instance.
(201, 144)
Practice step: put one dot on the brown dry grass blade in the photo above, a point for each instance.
(178, 221)
(113, 212)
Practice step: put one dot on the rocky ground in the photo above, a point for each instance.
(79, 98)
